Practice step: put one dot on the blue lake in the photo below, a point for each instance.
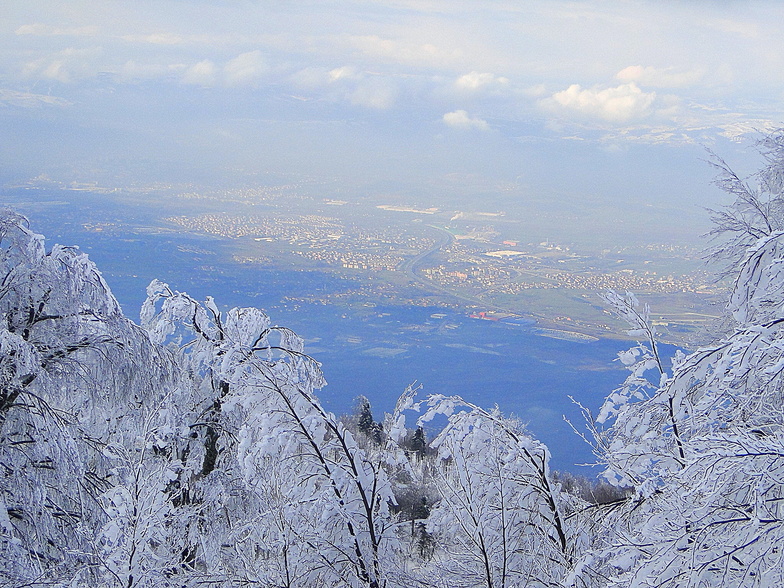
(373, 351)
(484, 362)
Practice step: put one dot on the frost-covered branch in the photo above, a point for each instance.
(708, 504)
(340, 498)
(498, 505)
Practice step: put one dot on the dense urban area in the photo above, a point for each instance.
(465, 260)
(488, 264)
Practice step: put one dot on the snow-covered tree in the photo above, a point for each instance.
(704, 446)
(296, 501)
(757, 209)
(499, 520)
(73, 374)
(193, 450)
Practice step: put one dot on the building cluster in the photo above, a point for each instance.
(474, 276)
(254, 195)
(335, 243)
(316, 238)
(295, 229)
(353, 259)
(596, 281)
(626, 280)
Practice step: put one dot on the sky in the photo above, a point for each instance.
(546, 103)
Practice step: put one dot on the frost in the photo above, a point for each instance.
(703, 445)
(193, 450)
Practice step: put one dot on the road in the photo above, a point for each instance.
(410, 266)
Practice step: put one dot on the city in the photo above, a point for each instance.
(415, 256)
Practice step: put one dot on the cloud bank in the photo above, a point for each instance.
(202, 73)
(476, 81)
(389, 76)
(459, 119)
(620, 104)
(245, 69)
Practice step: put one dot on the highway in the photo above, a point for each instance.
(410, 266)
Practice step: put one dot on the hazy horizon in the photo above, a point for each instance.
(542, 105)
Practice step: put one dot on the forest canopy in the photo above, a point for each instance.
(192, 450)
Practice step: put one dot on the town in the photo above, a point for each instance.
(404, 255)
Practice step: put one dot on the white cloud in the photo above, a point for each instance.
(459, 119)
(659, 78)
(245, 69)
(377, 93)
(342, 73)
(620, 104)
(346, 83)
(315, 77)
(200, 74)
(474, 81)
(64, 66)
(421, 60)
(56, 70)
